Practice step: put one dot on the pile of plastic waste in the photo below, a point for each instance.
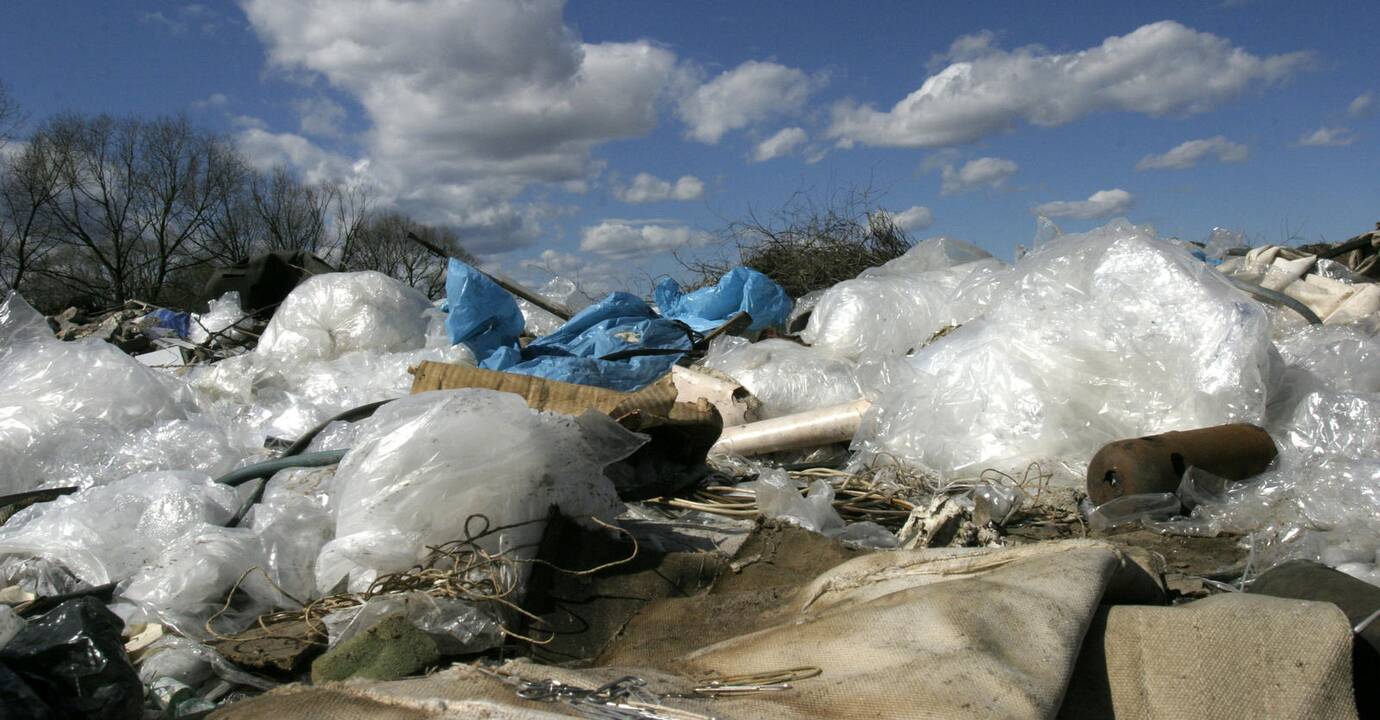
(292, 471)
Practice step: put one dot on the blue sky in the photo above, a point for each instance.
(527, 126)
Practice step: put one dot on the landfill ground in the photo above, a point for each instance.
(1123, 476)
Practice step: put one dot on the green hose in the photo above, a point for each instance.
(236, 478)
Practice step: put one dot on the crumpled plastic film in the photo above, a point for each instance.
(186, 586)
(423, 465)
(107, 533)
(1091, 338)
(66, 408)
(889, 310)
(558, 289)
(221, 318)
(1321, 498)
(785, 376)
(332, 314)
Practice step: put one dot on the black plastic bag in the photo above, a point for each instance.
(70, 663)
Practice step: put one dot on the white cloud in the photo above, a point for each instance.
(983, 172)
(749, 93)
(1159, 69)
(214, 100)
(265, 150)
(627, 239)
(1362, 106)
(1186, 155)
(647, 188)
(1102, 204)
(917, 217)
(470, 103)
(319, 116)
(784, 142)
(1327, 136)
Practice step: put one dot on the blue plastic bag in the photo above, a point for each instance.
(738, 290)
(171, 322)
(479, 313)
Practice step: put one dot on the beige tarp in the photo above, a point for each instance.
(938, 633)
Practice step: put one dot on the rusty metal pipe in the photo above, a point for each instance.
(1156, 463)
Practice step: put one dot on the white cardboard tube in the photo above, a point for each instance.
(819, 427)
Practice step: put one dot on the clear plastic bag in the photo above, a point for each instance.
(785, 376)
(558, 289)
(423, 465)
(1091, 338)
(889, 310)
(336, 313)
(67, 407)
(215, 577)
(223, 318)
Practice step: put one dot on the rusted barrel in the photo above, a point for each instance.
(1156, 463)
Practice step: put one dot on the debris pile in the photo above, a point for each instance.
(990, 482)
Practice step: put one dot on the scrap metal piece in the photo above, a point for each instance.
(1156, 463)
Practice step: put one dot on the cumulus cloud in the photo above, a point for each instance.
(784, 142)
(1186, 155)
(1362, 106)
(646, 188)
(1102, 204)
(749, 93)
(470, 103)
(987, 172)
(265, 150)
(1324, 136)
(629, 239)
(1163, 68)
(319, 116)
(917, 217)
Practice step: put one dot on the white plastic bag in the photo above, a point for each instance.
(422, 466)
(329, 315)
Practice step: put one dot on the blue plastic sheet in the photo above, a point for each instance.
(479, 313)
(738, 290)
(618, 343)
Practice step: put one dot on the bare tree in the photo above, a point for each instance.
(10, 117)
(29, 181)
(293, 213)
(184, 176)
(382, 245)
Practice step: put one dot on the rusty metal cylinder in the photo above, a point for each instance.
(1156, 463)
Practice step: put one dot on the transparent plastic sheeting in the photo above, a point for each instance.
(891, 309)
(560, 290)
(446, 465)
(1090, 338)
(785, 376)
(69, 409)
